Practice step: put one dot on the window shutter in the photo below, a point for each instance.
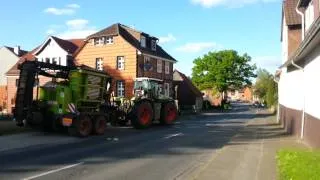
(117, 59)
(124, 63)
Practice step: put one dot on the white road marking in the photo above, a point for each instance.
(53, 171)
(173, 135)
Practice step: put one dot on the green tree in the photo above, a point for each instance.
(223, 69)
(266, 88)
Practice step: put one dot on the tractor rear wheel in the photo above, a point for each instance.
(169, 113)
(142, 115)
(84, 126)
(99, 125)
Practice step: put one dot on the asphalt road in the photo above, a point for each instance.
(160, 152)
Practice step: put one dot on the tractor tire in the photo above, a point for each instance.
(83, 126)
(142, 115)
(169, 113)
(99, 125)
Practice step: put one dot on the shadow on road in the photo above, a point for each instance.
(203, 132)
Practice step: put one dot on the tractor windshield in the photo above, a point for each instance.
(141, 85)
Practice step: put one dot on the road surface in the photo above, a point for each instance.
(124, 153)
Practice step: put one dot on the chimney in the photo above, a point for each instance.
(16, 50)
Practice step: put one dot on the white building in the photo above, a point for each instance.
(299, 76)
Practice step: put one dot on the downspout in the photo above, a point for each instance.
(299, 67)
(278, 104)
(304, 100)
(302, 17)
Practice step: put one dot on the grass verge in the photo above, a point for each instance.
(296, 164)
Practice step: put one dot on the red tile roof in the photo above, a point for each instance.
(188, 82)
(21, 52)
(72, 46)
(27, 57)
(289, 10)
(120, 29)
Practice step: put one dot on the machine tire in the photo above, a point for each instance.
(142, 115)
(169, 113)
(99, 125)
(83, 126)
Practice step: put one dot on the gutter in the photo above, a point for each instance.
(302, 16)
(312, 32)
(157, 57)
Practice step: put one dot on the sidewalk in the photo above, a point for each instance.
(251, 154)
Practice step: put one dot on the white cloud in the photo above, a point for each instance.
(228, 3)
(166, 39)
(74, 6)
(51, 31)
(197, 47)
(67, 10)
(77, 28)
(62, 11)
(270, 63)
(69, 34)
(77, 24)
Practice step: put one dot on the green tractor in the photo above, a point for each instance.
(78, 99)
(150, 104)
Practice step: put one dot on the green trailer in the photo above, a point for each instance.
(75, 99)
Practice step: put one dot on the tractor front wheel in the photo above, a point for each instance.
(84, 126)
(99, 125)
(142, 115)
(169, 113)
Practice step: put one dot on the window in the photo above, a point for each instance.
(47, 60)
(59, 60)
(143, 41)
(120, 89)
(309, 15)
(17, 82)
(103, 40)
(166, 89)
(109, 40)
(153, 45)
(99, 64)
(159, 66)
(54, 61)
(167, 68)
(120, 62)
(147, 64)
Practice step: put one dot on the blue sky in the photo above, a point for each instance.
(187, 28)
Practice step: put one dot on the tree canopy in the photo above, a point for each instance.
(223, 69)
(266, 88)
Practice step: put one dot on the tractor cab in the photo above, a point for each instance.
(148, 88)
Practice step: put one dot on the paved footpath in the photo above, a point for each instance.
(251, 154)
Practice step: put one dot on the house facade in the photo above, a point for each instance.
(8, 57)
(299, 74)
(187, 94)
(126, 54)
(53, 50)
(244, 94)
